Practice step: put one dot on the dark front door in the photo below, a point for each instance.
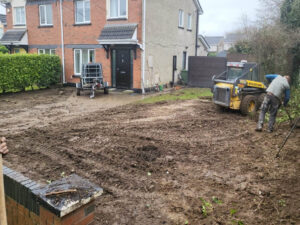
(123, 75)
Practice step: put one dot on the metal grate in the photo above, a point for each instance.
(222, 96)
(90, 73)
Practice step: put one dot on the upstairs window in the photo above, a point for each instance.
(19, 16)
(118, 8)
(189, 22)
(181, 18)
(46, 15)
(82, 13)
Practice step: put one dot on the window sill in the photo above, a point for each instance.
(45, 26)
(181, 27)
(75, 76)
(115, 19)
(19, 25)
(190, 30)
(82, 24)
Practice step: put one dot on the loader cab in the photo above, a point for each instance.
(234, 73)
(243, 69)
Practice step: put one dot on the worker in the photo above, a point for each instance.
(3, 146)
(279, 85)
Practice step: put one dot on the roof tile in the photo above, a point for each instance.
(13, 35)
(117, 31)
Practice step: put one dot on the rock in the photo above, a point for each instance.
(73, 139)
(243, 186)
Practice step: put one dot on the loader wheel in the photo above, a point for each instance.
(260, 100)
(78, 92)
(106, 91)
(249, 105)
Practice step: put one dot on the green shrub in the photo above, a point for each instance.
(293, 107)
(3, 49)
(19, 71)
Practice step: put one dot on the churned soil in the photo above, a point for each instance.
(180, 162)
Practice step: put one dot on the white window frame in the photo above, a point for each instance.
(118, 16)
(189, 22)
(15, 15)
(84, 21)
(181, 18)
(79, 60)
(80, 50)
(42, 51)
(45, 13)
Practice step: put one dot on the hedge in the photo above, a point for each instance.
(19, 71)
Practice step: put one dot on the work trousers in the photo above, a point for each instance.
(271, 104)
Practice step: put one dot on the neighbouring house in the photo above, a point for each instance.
(2, 24)
(231, 39)
(216, 43)
(220, 45)
(137, 41)
(222, 54)
(203, 46)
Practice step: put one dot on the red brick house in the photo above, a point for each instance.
(126, 36)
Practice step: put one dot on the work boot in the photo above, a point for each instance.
(259, 127)
(270, 130)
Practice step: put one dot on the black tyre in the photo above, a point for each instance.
(106, 91)
(78, 92)
(260, 100)
(249, 105)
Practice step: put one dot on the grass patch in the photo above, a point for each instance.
(33, 88)
(182, 94)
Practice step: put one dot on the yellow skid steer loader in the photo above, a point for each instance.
(239, 87)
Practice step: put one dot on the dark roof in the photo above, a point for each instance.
(3, 18)
(213, 40)
(117, 31)
(13, 35)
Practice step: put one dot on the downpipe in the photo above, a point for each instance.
(143, 48)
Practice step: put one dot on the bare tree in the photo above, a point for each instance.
(269, 12)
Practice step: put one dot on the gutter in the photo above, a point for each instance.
(144, 48)
(204, 42)
(62, 41)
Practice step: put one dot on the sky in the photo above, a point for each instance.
(221, 16)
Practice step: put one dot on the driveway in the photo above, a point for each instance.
(23, 111)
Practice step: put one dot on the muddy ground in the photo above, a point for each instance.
(178, 162)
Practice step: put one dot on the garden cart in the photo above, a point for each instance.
(91, 79)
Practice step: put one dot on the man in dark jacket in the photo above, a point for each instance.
(279, 85)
